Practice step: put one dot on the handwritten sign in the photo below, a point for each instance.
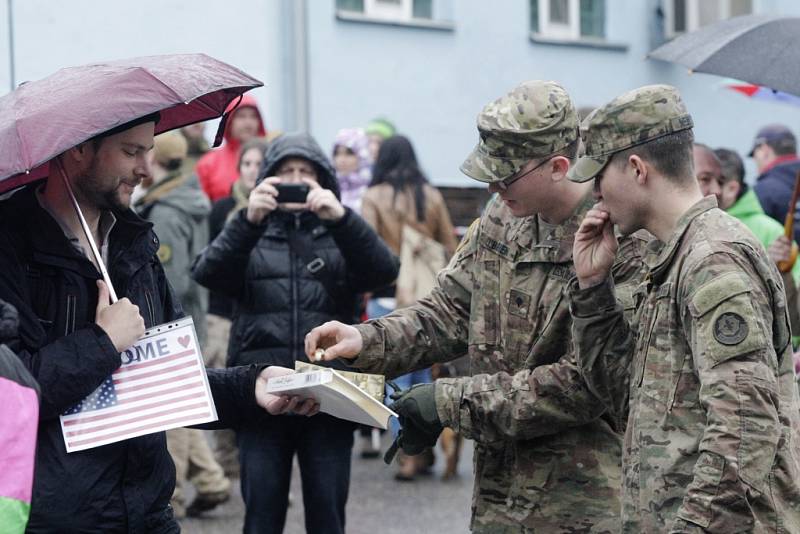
(161, 384)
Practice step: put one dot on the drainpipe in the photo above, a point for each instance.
(296, 89)
(11, 74)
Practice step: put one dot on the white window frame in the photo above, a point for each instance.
(692, 15)
(403, 11)
(567, 32)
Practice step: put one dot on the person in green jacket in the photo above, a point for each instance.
(742, 203)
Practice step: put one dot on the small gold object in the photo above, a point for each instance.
(318, 354)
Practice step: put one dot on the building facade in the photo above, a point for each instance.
(427, 65)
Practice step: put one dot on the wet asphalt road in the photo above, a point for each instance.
(377, 504)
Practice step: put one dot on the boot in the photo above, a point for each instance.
(408, 467)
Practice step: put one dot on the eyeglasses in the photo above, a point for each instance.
(503, 185)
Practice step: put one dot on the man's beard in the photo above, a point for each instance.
(93, 189)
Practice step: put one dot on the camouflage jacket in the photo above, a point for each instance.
(546, 459)
(704, 374)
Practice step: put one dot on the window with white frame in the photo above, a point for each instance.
(568, 20)
(681, 16)
(397, 10)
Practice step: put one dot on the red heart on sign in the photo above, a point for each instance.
(184, 340)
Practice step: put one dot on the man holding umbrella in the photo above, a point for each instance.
(70, 334)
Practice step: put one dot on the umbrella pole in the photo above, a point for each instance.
(88, 232)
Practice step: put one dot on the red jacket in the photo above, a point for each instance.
(218, 169)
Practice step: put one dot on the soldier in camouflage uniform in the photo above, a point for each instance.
(703, 374)
(547, 459)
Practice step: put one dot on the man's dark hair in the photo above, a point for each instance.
(97, 140)
(670, 154)
(732, 164)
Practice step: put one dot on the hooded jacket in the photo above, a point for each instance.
(278, 299)
(218, 169)
(774, 190)
(179, 212)
(123, 486)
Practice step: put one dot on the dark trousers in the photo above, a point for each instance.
(323, 445)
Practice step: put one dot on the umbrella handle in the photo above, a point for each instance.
(88, 232)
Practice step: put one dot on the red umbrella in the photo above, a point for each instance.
(42, 119)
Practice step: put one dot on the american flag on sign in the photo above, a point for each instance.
(161, 384)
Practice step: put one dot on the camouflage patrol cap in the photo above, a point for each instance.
(631, 119)
(534, 120)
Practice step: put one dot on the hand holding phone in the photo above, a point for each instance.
(291, 193)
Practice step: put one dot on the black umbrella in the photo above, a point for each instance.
(760, 49)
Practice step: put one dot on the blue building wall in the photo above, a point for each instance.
(432, 83)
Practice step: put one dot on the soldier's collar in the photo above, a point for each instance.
(666, 251)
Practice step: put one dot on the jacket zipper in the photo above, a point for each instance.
(294, 276)
(69, 327)
(150, 310)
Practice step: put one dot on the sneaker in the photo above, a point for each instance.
(207, 501)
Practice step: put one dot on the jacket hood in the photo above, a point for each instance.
(247, 102)
(299, 145)
(180, 192)
(190, 198)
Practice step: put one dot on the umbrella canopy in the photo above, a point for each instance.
(760, 49)
(42, 119)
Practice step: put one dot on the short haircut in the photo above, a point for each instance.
(97, 140)
(731, 163)
(670, 154)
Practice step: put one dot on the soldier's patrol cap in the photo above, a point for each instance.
(535, 120)
(631, 119)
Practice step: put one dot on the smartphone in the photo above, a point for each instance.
(296, 193)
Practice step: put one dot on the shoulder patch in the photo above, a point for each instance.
(730, 328)
(164, 253)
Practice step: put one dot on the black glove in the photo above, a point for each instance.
(416, 409)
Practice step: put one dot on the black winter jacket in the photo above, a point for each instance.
(121, 487)
(278, 299)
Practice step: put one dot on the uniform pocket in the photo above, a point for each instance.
(486, 323)
(702, 491)
(660, 368)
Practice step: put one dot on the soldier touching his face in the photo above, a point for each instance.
(704, 372)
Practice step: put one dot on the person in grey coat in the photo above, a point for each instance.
(179, 211)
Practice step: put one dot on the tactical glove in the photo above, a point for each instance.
(416, 409)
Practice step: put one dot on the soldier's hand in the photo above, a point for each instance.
(419, 421)
(121, 320)
(595, 248)
(280, 404)
(338, 340)
(262, 200)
